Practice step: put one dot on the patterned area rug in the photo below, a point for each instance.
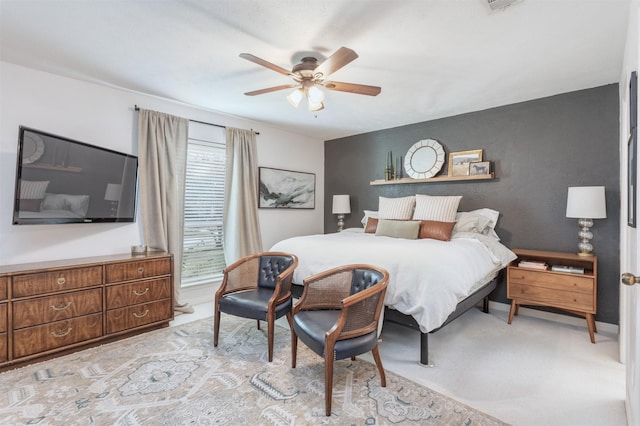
(175, 376)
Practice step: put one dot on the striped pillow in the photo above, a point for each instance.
(33, 190)
(438, 208)
(396, 208)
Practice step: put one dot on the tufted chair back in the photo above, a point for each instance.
(270, 267)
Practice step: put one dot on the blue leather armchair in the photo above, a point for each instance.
(257, 287)
(337, 317)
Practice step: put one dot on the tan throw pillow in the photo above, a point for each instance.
(439, 208)
(372, 225)
(407, 229)
(436, 230)
(396, 208)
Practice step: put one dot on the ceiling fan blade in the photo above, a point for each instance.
(271, 89)
(333, 63)
(360, 89)
(266, 64)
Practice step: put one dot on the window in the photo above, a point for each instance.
(203, 254)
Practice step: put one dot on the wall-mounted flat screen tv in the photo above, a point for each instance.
(60, 180)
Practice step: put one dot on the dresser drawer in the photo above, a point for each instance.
(49, 282)
(4, 284)
(55, 308)
(559, 299)
(33, 340)
(3, 317)
(136, 270)
(552, 280)
(138, 292)
(138, 315)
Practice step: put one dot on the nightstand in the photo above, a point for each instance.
(574, 292)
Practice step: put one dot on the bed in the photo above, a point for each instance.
(431, 281)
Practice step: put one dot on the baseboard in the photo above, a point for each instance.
(604, 327)
(198, 294)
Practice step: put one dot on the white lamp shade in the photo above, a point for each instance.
(341, 204)
(586, 202)
(113, 192)
(295, 97)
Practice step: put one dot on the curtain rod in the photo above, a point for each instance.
(136, 108)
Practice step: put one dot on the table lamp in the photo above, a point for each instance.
(341, 206)
(586, 203)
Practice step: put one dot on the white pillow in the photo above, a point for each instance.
(396, 208)
(367, 215)
(481, 221)
(77, 204)
(33, 190)
(53, 202)
(438, 208)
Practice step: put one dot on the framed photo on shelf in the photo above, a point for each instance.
(479, 168)
(459, 161)
(286, 189)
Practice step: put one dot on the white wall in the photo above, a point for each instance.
(104, 116)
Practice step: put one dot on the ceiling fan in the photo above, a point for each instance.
(309, 76)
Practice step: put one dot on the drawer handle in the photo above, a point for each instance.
(61, 280)
(140, 293)
(61, 306)
(61, 334)
(140, 270)
(141, 315)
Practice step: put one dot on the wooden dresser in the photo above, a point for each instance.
(571, 291)
(48, 308)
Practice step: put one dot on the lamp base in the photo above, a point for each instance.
(340, 222)
(585, 247)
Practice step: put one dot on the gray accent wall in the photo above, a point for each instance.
(537, 150)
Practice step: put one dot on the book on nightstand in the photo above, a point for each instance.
(533, 265)
(569, 269)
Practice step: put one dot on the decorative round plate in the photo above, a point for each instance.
(32, 148)
(424, 159)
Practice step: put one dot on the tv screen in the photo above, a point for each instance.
(59, 180)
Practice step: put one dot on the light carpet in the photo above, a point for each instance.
(174, 376)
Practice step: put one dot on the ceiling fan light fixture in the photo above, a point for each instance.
(315, 95)
(295, 97)
(315, 106)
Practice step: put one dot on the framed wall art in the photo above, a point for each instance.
(479, 168)
(459, 161)
(632, 150)
(286, 189)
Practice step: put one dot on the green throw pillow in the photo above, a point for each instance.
(398, 228)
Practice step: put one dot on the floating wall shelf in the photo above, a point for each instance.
(432, 180)
(52, 167)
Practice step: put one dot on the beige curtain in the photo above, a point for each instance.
(241, 226)
(162, 152)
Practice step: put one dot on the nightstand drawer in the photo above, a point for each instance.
(559, 299)
(552, 280)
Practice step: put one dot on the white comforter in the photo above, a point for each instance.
(427, 278)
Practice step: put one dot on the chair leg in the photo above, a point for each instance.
(270, 331)
(216, 327)
(328, 381)
(376, 357)
(294, 341)
(258, 324)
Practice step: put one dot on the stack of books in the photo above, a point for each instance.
(570, 269)
(532, 264)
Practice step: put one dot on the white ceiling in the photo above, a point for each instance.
(432, 58)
